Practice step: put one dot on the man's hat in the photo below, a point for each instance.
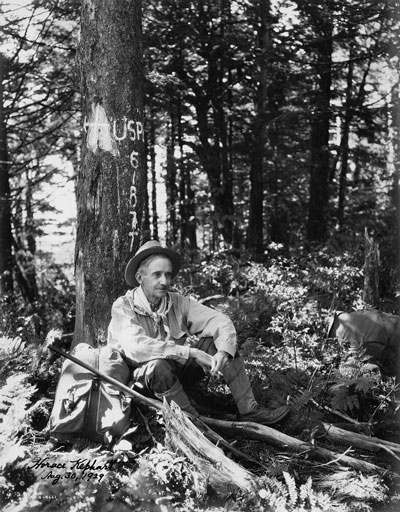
(147, 249)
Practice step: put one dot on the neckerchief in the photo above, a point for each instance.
(159, 316)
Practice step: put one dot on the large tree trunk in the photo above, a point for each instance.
(319, 171)
(6, 266)
(110, 186)
(255, 239)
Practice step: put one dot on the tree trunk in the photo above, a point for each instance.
(344, 142)
(255, 238)
(6, 265)
(219, 176)
(172, 190)
(371, 272)
(394, 130)
(29, 221)
(111, 181)
(186, 199)
(319, 171)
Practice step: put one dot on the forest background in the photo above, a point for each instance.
(271, 161)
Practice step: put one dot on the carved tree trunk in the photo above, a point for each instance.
(111, 181)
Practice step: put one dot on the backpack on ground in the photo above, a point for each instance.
(84, 405)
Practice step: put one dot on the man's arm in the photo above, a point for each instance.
(207, 322)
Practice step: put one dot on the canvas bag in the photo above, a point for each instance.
(84, 405)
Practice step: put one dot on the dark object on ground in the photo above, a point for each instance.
(376, 332)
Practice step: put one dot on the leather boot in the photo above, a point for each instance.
(178, 395)
(249, 410)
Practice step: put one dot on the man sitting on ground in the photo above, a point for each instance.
(150, 324)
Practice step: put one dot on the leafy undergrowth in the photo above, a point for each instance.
(279, 310)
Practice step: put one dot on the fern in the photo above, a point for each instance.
(15, 397)
(298, 403)
(287, 496)
(306, 492)
(10, 347)
(291, 487)
(343, 401)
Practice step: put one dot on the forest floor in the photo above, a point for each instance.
(281, 329)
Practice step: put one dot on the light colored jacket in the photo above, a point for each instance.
(141, 338)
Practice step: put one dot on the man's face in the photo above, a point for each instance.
(156, 279)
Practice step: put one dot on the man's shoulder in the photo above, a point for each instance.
(179, 301)
(176, 297)
(124, 300)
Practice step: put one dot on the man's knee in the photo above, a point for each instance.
(156, 376)
(207, 345)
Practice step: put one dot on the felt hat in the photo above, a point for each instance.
(147, 249)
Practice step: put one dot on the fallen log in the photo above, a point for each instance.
(361, 441)
(281, 440)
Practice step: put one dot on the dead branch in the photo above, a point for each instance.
(373, 444)
(336, 413)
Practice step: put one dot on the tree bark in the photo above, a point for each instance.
(111, 181)
(6, 262)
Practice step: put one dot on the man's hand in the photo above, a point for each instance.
(204, 360)
(220, 360)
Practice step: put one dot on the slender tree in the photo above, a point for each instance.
(172, 183)
(111, 181)
(255, 232)
(6, 266)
